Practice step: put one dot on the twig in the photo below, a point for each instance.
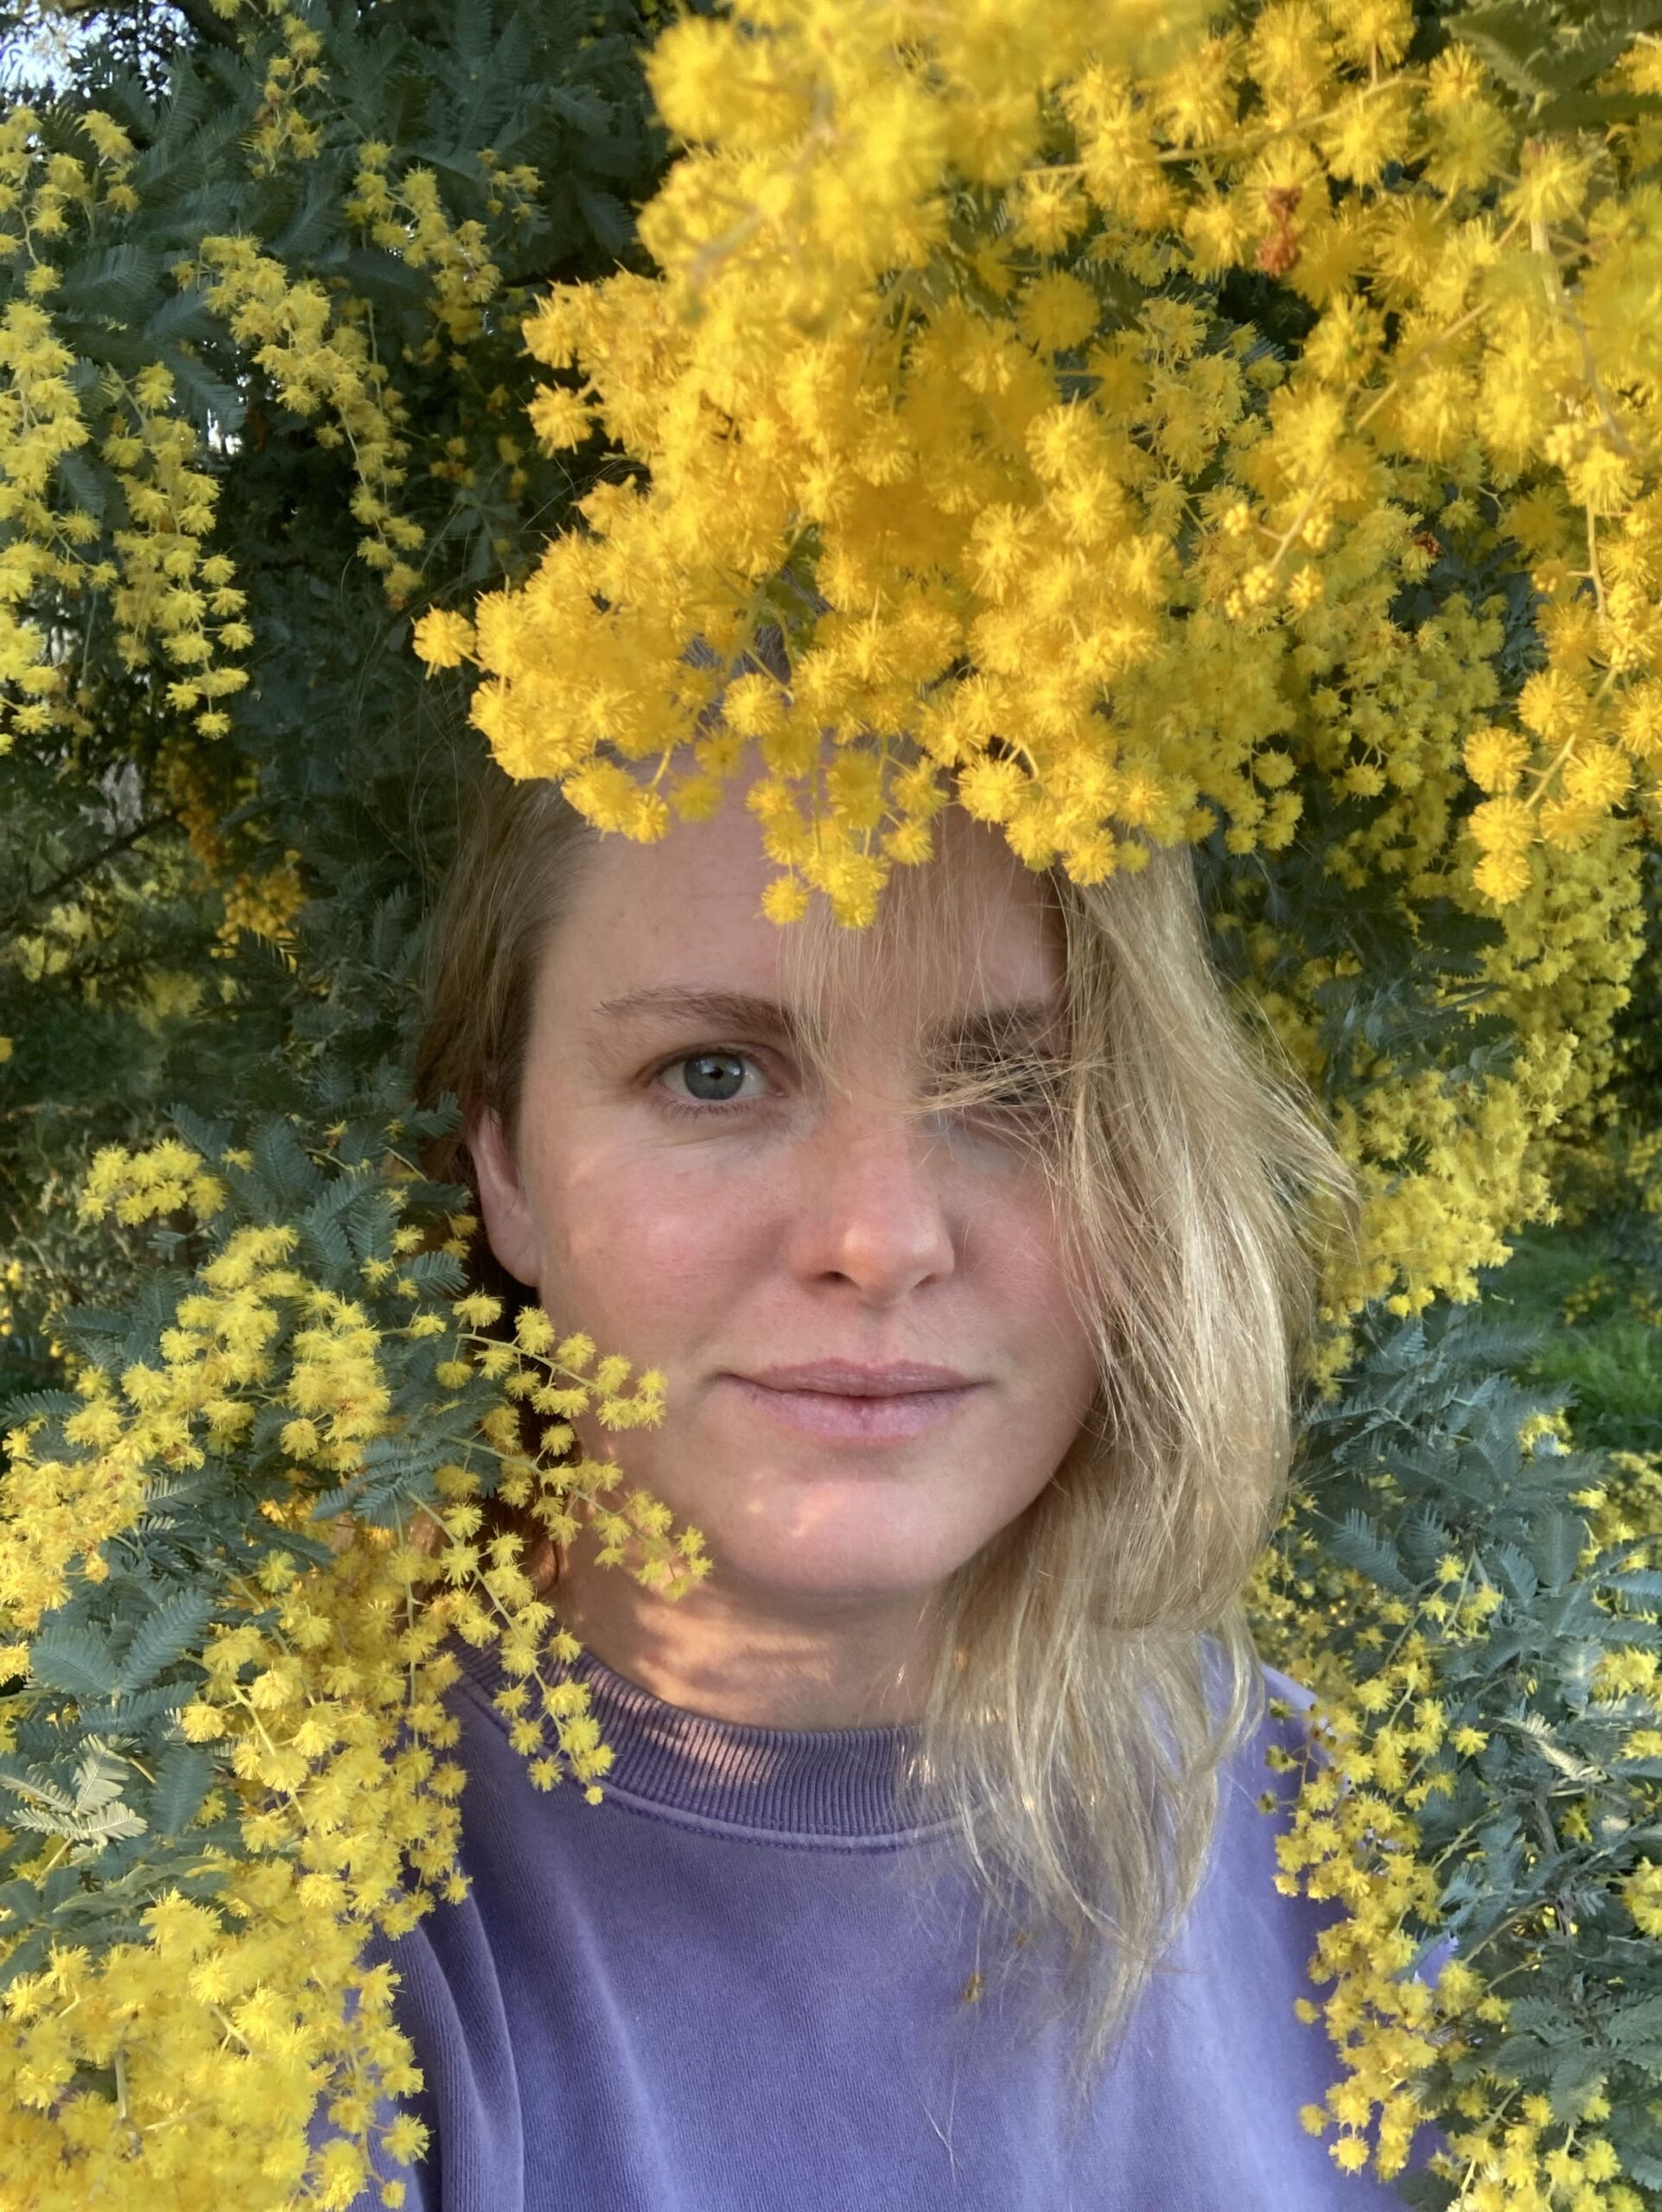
(206, 24)
(37, 893)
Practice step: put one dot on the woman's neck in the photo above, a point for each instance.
(765, 1658)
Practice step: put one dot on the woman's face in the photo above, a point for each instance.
(873, 1361)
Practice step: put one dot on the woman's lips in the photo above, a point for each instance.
(850, 1404)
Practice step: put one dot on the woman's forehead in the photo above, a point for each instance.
(972, 929)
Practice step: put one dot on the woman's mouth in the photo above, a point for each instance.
(846, 1401)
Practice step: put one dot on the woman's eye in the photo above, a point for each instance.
(712, 1078)
(1020, 1091)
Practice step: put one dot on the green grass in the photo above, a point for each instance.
(1608, 1358)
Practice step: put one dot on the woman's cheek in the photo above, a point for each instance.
(656, 1245)
(1038, 1314)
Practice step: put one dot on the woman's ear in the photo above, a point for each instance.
(502, 1201)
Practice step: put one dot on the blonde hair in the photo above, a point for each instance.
(1095, 1669)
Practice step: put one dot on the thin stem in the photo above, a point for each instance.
(62, 882)
(1593, 568)
(231, 2027)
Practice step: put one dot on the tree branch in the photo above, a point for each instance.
(206, 24)
(50, 889)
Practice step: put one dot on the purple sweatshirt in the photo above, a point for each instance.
(741, 1984)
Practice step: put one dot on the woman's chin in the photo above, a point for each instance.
(838, 1542)
(817, 1520)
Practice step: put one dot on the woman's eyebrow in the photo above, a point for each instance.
(716, 1009)
(1021, 1021)
(1024, 1023)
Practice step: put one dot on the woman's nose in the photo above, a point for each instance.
(869, 1208)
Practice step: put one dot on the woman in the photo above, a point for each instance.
(930, 1871)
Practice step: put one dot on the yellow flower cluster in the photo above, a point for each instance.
(919, 348)
(1447, 1167)
(170, 597)
(40, 421)
(137, 1186)
(261, 900)
(408, 217)
(320, 1697)
(164, 589)
(218, 2030)
(283, 130)
(167, 587)
(1379, 1743)
(320, 355)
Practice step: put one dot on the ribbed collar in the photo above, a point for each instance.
(828, 1785)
